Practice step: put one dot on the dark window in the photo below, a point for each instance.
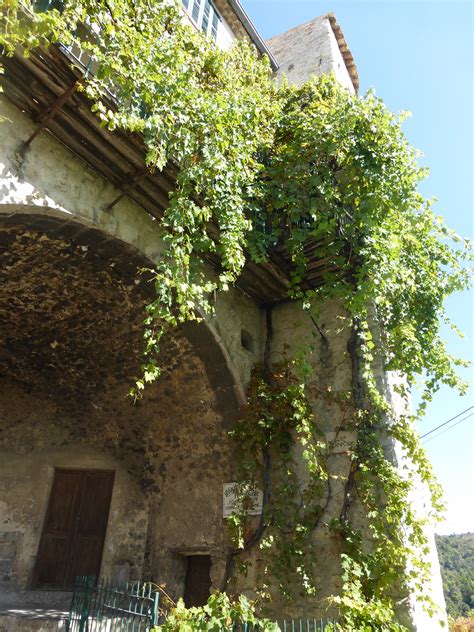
(196, 10)
(246, 340)
(205, 16)
(215, 25)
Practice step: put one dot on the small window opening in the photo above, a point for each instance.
(198, 580)
(246, 340)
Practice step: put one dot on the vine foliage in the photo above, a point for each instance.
(322, 173)
(220, 613)
(278, 418)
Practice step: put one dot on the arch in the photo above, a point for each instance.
(173, 444)
(127, 259)
(50, 183)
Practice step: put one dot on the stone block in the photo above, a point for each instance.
(8, 545)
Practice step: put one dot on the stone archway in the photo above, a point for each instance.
(77, 239)
(71, 314)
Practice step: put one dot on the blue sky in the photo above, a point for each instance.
(418, 55)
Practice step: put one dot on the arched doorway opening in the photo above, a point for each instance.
(151, 472)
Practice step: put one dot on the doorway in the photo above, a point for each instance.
(198, 580)
(74, 528)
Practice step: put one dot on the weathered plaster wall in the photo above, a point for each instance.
(412, 612)
(293, 332)
(331, 379)
(25, 483)
(241, 326)
(51, 177)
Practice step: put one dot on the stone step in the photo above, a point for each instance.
(32, 620)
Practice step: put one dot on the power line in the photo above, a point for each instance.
(446, 422)
(450, 428)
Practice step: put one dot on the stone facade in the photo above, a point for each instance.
(71, 327)
(314, 48)
(71, 312)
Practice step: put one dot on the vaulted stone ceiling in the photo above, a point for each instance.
(71, 310)
(71, 340)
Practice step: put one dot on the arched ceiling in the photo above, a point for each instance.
(71, 342)
(71, 310)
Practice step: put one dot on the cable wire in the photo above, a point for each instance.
(446, 422)
(450, 428)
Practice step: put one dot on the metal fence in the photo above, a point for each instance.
(305, 625)
(134, 607)
(103, 607)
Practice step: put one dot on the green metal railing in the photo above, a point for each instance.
(305, 625)
(103, 607)
(134, 607)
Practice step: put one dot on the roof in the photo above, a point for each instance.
(345, 51)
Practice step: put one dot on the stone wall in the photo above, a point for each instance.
(71, 332)
(171, 450)
(310, 49)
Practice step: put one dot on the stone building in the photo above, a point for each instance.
(91, 483)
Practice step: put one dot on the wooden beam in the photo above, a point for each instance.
(45, 117)
(132, 181)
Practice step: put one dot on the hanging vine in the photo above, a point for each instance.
(318, 171)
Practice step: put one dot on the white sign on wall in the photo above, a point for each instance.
(232, 499)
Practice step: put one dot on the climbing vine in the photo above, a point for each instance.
(324, 174)
(278, 418)
(220, 613)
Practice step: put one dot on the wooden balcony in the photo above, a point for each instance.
(44, 87)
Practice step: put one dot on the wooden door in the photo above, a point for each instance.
(198, 580)
(74, 528)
